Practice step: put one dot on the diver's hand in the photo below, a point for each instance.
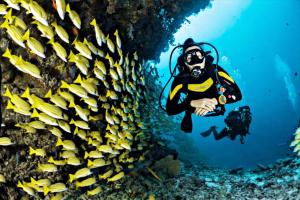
(201, 111)
(205, 103)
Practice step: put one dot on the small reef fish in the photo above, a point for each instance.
(74, 16)
(98, 32)
(80, 174)
(61, 32)
(5, 141)
(116, 177)
(59, 49)
(86, 182)
(94, 191)
(47, 167)
(54, 188)
(37, 152)
(67, 144)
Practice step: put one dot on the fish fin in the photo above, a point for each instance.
(86, 155)
(34, 114)
(64, 84)
(9, 105)
(26, 35)
(78, 79)
(49, 94)
(90, 163)
(31, 151)
(7, 93)
(93, 22)
(71, 178)
(59, 142)
(26, 93)
(7, 53)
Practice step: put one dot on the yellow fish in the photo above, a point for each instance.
(75, 89)
(83, 49)
(67, 144)
(99, 162)
(93, 154)
(86, 182)
(60, 50)
(38, 12)
(64, 125)
(44, 118)
(17, 100)
(118, 40)
(61, 8)
(80, 174)
(80, 124)
(105, 148)
(75, 18)
(94, 191)
(54, 188)
(14, 32)
(61, 32)
(40, 182)
(46, 31)
(26, 188)
(5, 141)
(47, 167)
(2, 178)
(106, 174)
(110, 44)
(88, 86)
(56, 162)
(38, 152)
(35, 46)
(21, 111)
(55, 131)
(13, 4)
(57, 100)
(98, 32)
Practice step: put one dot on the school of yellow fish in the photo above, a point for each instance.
(108, 88)
(296, 142)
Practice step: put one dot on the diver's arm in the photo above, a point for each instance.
(232, 91)
(173, 106)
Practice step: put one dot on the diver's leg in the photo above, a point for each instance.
(206, 133)
(220, 135)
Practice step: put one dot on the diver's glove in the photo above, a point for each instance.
(186, 123)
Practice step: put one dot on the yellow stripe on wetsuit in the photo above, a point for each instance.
(172, 93)
(202, 87)
(223, 74)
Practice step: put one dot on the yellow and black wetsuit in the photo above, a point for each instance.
(202, 87)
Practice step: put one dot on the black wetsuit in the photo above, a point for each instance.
(202, 87)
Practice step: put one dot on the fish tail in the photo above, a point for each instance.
(34, 114)
(26, 35)
(26, 93)
(93, 22)
(86, 155)
(31, 151)
(72, 176)
(59, 142)
(7, 93)
(46, 190)
(78, 79)
(49, 94)
(90, 163)
(68, 9)
(10, 105)
(64, 84)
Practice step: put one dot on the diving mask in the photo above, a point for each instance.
(194, 56)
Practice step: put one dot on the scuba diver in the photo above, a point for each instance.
(204, 86)
(237, 121)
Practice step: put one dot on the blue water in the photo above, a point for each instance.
(260, 49)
